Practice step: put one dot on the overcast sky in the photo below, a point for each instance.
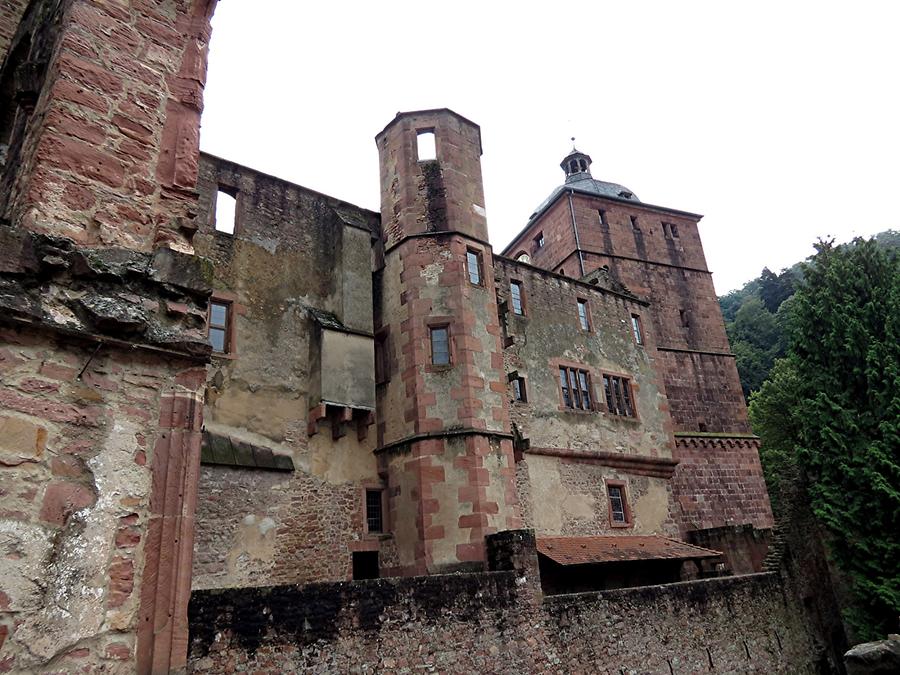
(780, 121)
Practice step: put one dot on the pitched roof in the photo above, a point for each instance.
(582, 550)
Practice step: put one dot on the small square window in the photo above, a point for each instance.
(473, 266)
(515, 295)
(374, 511)
(637, 329)
(583, 316)
(218, 326)
(619, 513)
(226, 212)
(440, 345)
(618, 395)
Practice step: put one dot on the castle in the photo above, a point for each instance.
(218, 381)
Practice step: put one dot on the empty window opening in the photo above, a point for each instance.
(440, 346)
(575, 386)
(637, 329)
(666, 232)
(618, 395)
(524, 257)
(426, 148)
(618, 508)
(603, 222)
(365, 565)
(515, 295)
(374, 511)
(382, 373)
(226, 212)
(539, 240)
(583, 165)
(685, 318)
(702, 427)
(583, 319)
(219, 333)
(670, 230)
(674, 229)
(519, 394)
(473, 267)
(562, 271)
(634, 224)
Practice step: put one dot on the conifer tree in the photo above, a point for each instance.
(843, 368)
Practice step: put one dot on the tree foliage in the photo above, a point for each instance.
(748, 312)
(832, 408)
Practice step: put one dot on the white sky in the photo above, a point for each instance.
(780, 121)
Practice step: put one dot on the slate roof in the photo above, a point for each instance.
(219, 449)
(584, 550)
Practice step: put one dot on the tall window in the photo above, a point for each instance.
(515, 295)
(374, 511)
(440, 345)
(618, 395)
(226, 211)
(619, 515)
(634, 224)
(473, 266)
(583, 318)
(538, 241)
(604, 223)
(219, 333)
(519, 393)
(575, 385)
(637, 329)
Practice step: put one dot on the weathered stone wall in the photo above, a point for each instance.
(105, 148)
(496, 622)
(83, 428)
(567, 455)
(443, 428)
(293, 252)
(719, 482)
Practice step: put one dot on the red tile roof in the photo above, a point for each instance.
(581, 550)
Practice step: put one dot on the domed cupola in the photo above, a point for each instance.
(577, 165)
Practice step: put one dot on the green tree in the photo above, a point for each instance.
(833, 408)
(756, 340)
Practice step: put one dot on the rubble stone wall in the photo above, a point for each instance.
(497, 622)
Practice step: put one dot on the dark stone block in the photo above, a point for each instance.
(191, 273)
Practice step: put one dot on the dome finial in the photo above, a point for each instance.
(573, 144)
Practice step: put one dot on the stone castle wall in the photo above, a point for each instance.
(497, 622)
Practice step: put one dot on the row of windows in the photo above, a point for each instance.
(619, 511)
(576, 391)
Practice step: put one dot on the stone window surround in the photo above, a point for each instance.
(479, 262)
(626, 505)
(591, 376)
(583, 302)
(440, 322)
(234, 308)
(235, 192)
(632, 387)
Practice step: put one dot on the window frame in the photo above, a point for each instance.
(604, 221)
(538, 242)
(584, 322)
(479, 264)
(380, 491)
(578, 379)
(626, 387)
(622, 487)
(227, 327)
(519, 388)
(515, 283)
(431, 330)
(637, 329)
